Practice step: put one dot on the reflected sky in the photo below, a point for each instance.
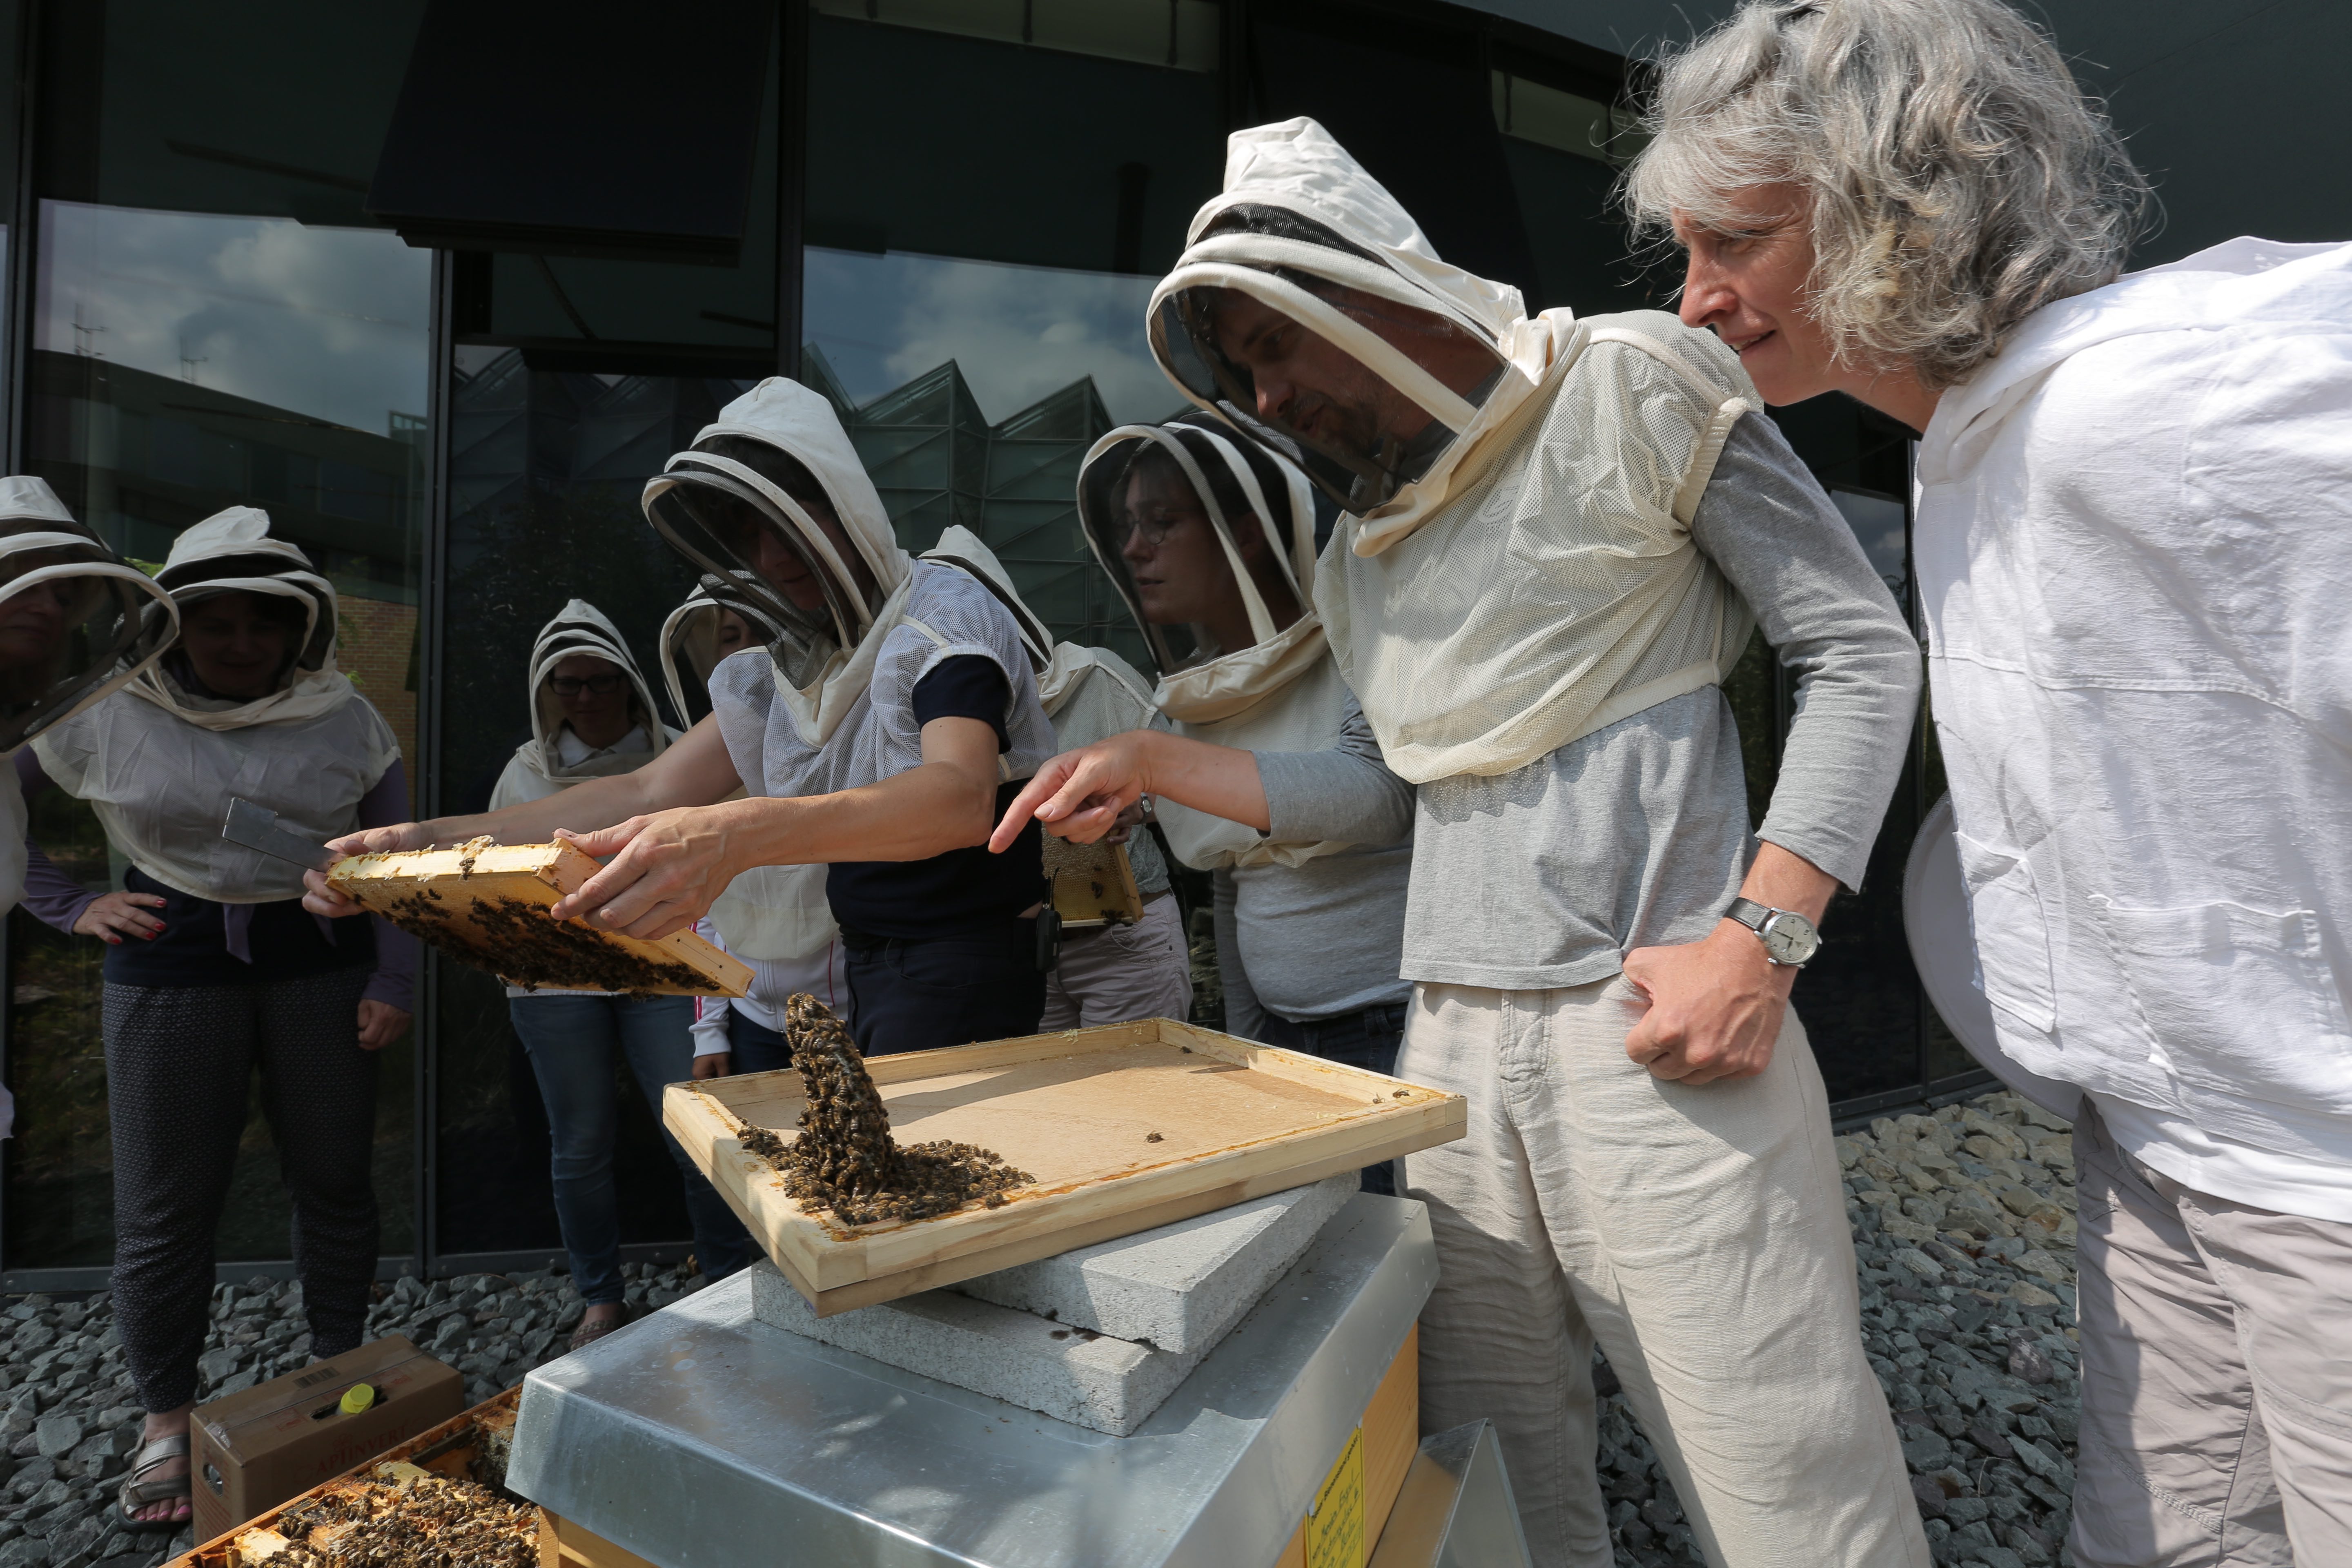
(1877, 522)
(1019, 332)
(327, 322)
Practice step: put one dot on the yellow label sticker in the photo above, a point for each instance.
(1335, 1519)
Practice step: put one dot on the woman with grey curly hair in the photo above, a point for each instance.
(2133, 530)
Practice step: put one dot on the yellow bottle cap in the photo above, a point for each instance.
(358, 1398)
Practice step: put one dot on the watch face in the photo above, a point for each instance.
(1791, 939)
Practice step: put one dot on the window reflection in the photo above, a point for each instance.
(546, 471)
(183, 363)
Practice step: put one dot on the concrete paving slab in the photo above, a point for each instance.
(1181, 1287)
(1071, 1374)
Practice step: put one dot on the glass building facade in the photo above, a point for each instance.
(439, 287)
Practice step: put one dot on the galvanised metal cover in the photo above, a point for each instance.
(702, 1437)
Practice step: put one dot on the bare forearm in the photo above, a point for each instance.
(582, 808)
(1219, 780)
(925, 811)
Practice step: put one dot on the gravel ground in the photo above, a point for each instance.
(1964, 1237)
(72, 1419)
(1964, 1231)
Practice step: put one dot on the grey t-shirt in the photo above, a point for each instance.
(1322, 939)
(1637, 835)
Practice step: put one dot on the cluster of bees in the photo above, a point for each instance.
(420, 1521)
(513, 939)
(845, 1159)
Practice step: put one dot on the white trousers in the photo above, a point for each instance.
(1699, 1234)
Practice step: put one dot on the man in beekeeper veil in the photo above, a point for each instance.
(76, 623)
(1560, 535)
(878, 735)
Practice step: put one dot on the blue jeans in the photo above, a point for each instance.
(570, 1041)
(1369, 1039)
(753, 1046)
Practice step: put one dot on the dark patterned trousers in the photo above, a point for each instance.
(179, 1061)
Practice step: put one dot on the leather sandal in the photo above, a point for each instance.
(137, 1494)
(588, 1333)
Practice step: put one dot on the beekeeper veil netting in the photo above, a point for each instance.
(232, 551)
(1309, 303)
(695, 638)
(583, 629)
(772, 495)
(76, 621)
(1518, 569)
(1196, 522)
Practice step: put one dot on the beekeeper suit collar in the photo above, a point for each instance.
(689, 641)
(1202, 467)
(1297, 221)
(232, 551)
(76, 621)
(729, 505)
(583, 628)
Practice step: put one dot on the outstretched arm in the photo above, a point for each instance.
(693, 769)
(668, 867)
(1079, 795)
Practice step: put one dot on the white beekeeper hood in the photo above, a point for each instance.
(232, 551)
(689, 641)
(1060, 667)
(727, 506)
(77, 622)
(1297, 217)
(1232, 479)
(1521, 572)
(581, 628)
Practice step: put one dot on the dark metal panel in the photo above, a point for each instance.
(578, 127)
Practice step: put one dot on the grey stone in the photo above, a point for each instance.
(217, 1363)
(1917, 1262)
(1073, 1375)
(25, 1552)
(1180, 1287)
(57, 1435)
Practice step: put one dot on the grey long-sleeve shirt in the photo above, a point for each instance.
(1322, 939)
(1637, 835)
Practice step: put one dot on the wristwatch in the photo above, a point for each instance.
(1788, 938)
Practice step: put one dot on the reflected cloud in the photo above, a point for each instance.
(327, 322)
(1018, 332)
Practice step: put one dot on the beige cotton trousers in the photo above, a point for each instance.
(1699, 1234)
(2217, 1375)
(1110, 974)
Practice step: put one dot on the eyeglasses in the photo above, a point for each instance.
(601, 685)
(1153, 531)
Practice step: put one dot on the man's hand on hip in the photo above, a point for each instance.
(1715, 1006)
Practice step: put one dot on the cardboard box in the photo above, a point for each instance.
(254, 1450)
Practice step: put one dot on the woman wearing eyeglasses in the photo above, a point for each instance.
(593, 716)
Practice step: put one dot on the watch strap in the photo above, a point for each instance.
(1750, 913)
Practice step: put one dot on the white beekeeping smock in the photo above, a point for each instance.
(158, 762)
(2135, 530)
(538, 770)
(1520, 572)
(805, 720)
(1088, 693)
(76, 623)
(771, 916)
(1281, 692)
